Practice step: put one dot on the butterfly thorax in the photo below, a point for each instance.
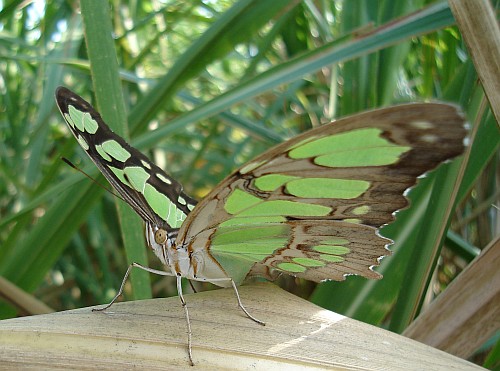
(182, 259)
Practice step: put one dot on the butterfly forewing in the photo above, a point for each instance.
(312, 206)
(153, 194)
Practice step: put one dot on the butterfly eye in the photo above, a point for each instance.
(160, 236)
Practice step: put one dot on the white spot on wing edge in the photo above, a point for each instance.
(423, 125)
(69, 120)
(82, 142)
(163, 178)
(250, 166)
(430, 138)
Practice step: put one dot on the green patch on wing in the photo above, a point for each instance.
(137, 177)
(239, 201)
(332, 249)
(103, 153)
(361, 210)
(238, 249)
(357, 148)
(83, 121)
(265, 237)
(119, 174)
(284, 207)
(163, 207)
(313, 187)
(244, 204)
(328, 251)
(115, 150)
(271, 182)
(308, 262)
(83, 142)
(332, 258)
(291, 267)
(327, 188)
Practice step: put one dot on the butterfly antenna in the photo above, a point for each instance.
(68, 162)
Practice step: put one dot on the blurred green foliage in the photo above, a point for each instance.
(205, 86)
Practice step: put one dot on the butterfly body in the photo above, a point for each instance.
(183, 260)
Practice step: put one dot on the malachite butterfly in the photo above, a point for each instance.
(309, 207)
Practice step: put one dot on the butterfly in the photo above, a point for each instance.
(310, 207)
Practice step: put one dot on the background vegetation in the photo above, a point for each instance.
(202, 87)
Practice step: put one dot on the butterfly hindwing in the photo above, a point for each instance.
(311, 206)
(154, 195)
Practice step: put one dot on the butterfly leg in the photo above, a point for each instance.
(120, 291)
(192, 286)
(186, 312)
(243, 308)
(129, 269)
(240, 304)
(179, 291)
